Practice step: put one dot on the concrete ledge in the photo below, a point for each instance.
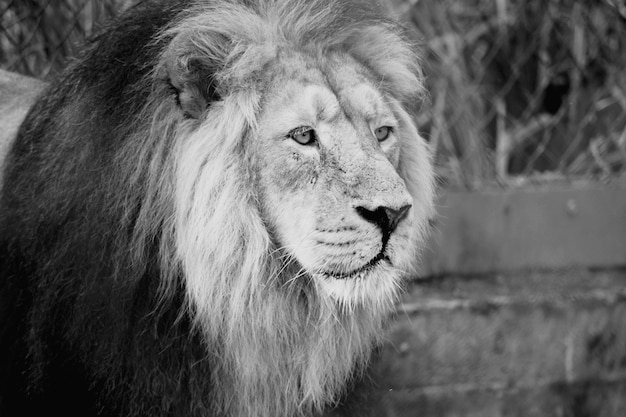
(17, 94)
(555, 225)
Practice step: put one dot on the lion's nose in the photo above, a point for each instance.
(386, 218)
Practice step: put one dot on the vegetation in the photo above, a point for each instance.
(520, 88)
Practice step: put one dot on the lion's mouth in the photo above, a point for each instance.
(361, 271)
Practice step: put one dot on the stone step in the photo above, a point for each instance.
(524, 344)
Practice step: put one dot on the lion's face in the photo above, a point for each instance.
(328, 155)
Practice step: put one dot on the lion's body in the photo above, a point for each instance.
(210, 213)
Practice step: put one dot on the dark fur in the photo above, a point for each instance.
(61, 234)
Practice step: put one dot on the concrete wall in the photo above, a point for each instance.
(515, 345)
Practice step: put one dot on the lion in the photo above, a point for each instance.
(212, 212)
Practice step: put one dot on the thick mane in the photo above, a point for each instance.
(129, 203)
(246, 36)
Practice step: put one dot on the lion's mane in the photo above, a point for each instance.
(138, 276)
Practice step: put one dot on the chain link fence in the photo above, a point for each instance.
(38, 36)
(518, 89)
(524, 88)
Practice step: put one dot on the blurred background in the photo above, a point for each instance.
(520, 308)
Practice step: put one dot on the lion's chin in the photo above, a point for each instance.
(376, 286)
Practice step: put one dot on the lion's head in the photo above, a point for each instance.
(257, 160)
(315, 104)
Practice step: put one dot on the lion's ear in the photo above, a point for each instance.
(191, 73)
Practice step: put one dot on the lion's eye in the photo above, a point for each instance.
(303, 135)
(383, 132)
